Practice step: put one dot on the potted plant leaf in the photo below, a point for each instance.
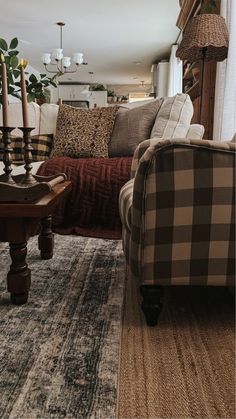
(110, 96)
(36, 86)
(97, 87)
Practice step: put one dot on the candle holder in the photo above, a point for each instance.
(25, 188)
(7, 160)
(28, 178)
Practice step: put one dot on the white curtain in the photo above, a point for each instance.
(175, 73)
(225, 92)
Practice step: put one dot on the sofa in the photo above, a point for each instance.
(178, 217)
(92, 207)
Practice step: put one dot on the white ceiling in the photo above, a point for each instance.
(112, 34)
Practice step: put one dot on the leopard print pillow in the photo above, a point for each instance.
(83, 132)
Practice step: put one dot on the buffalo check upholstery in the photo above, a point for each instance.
(178, 212)
(42, 146)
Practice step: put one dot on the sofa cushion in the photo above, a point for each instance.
(41, 144)
(132, 126)
(16, 146)
(174, 117)
(48, 118)
(136, 104)
(117, 145)
(83, 132)
(15, 117)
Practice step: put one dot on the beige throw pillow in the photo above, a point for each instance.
(132, 126)
(174, 117)
(83, 132)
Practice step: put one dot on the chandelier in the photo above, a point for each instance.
(61, 64)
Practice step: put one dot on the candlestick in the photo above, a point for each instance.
(4, 93)
(24, 95)
(7, 160)
(28, 178)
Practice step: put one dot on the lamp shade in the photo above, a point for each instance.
(204, 32)
(46, 58)
(66, 62)
(78, 57)
(58, 54)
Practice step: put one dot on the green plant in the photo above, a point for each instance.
(35, 86)
(97, 87)
(110, 93)
(210, 6)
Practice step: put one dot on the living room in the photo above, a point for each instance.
(117, 196)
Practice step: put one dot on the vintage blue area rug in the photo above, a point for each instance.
(59, 353)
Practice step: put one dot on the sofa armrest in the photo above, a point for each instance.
(195, 132)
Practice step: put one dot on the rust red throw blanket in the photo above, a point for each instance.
(92, 207)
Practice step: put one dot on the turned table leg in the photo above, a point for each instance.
(46, 239)
(19, 277)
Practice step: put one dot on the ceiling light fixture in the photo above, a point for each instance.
(62, 63)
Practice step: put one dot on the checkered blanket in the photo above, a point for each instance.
(178, 212)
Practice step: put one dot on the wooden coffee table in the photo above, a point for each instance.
(18, 222)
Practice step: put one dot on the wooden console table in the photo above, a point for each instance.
(18, 222)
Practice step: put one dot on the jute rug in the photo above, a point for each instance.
(59, 353)
(184, 367)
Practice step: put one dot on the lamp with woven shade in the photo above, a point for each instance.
(206, 38)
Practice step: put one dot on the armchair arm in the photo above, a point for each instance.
(182, 213)
(195, 131)
(140, 150)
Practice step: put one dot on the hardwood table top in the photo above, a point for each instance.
(40, 208)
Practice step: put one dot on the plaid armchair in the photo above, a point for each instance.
(177, 213)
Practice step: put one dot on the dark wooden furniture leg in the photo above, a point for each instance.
(19, 276)
(151, 304)
(46, 239)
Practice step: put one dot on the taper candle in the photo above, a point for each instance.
(24, 95)
(4, 93)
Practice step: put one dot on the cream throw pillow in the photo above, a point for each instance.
(83, 132)
(174, 117)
